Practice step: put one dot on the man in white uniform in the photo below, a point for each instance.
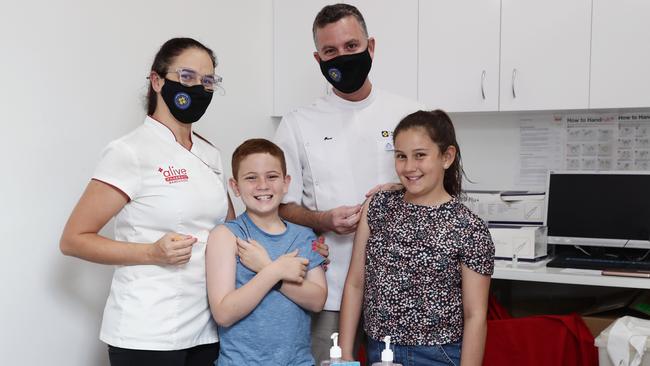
(339, 148)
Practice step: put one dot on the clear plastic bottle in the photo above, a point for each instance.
(386, 355)
(336, 353)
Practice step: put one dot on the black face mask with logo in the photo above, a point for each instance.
(347, 73)
(186, 103)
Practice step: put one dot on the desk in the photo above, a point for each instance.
(538, 272)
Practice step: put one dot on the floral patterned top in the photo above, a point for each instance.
(413, 273)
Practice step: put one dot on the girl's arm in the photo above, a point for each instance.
(228, 304)
(353, 289)
(98, 204)
(475, 291)
(311, 293)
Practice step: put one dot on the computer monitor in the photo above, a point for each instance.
(607, 208)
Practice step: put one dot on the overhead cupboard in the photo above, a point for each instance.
(483, 55)
(620, 54)
(504, 55)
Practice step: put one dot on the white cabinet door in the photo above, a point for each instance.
(545, 54)
(620, 54)
(297, 78)
(459, 55)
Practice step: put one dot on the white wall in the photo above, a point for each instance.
(72, 79)
(489, 145)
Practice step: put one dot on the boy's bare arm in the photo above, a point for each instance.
(311, 293)
(228, 304)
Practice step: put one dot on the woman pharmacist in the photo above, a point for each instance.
(165, 187)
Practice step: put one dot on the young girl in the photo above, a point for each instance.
(421, 262)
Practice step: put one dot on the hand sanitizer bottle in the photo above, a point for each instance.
(386, 355)
(335, 351)
(335, 354)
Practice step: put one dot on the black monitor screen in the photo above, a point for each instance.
(602, 205)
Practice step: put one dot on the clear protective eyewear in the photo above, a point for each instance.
(189, 77)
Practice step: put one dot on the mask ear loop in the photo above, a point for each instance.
(220, 90)
(151, 79)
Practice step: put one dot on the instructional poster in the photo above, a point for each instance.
(590, 142)
(605, 141)
(633, 148)
(541, 149)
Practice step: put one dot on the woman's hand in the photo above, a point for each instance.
(252, 255)
(172, 249)
(319, 246)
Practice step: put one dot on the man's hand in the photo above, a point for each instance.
(342, 220)
(252, 255)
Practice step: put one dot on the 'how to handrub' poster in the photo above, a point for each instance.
(582, 142)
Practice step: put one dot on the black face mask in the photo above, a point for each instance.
(186, 103)
(347, 73)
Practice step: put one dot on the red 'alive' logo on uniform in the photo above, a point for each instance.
(174, 175)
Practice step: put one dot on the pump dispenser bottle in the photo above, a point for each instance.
(335, 354)
(335, 351)
(386, 355)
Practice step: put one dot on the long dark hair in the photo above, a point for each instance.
(440, 129)
(165, 57)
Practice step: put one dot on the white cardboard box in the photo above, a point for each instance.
(526, 242)
(492, 206)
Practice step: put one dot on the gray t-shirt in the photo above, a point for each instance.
(276, 332)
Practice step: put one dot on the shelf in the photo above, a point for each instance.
(538, 272)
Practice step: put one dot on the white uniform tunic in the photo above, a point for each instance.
(336, 151)
(171, 189)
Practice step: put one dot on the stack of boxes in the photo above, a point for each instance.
(515, 220)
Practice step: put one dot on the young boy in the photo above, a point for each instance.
(263, 277)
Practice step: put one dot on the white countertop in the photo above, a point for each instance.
(538, 272)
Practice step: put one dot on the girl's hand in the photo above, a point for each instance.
(252, 255)
(172, 249)
(291, 268)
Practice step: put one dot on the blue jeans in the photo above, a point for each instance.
(438, 355)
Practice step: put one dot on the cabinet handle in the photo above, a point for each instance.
(483, 84)
(514, 76)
